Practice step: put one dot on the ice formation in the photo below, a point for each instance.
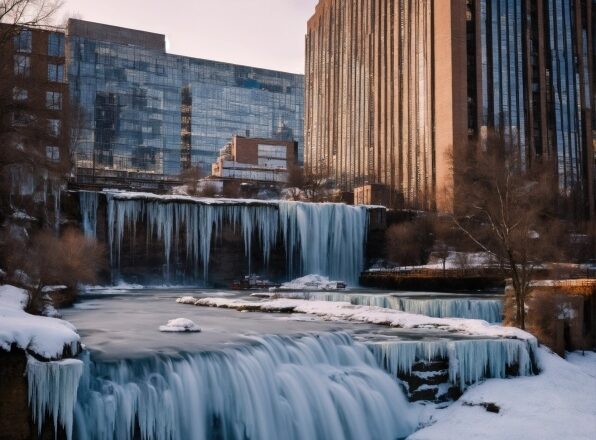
(88, 204)
(490, 310)
(322, 238)
(315, 386)
(470, 360)
(53, 390)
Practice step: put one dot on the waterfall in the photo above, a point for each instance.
(52, 390)
(470, 360)
(316, 386)
(88, 201)
(324, 238)
(490, 310)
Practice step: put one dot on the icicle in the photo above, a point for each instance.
(323, 386)
(88, 203)
(328, 239)
(53, 389)
(470, 360)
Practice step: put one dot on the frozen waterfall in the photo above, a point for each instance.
(53, 390)
(323, 238)
(317, 386)
(490, 310)
(470, 360)
(88, 204)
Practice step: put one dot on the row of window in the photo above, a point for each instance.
(23, 43)
(22, 67)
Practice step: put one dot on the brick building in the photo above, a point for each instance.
(256, 160)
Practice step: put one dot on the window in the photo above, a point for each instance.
(22, 41)
(19, 94)
(22, 65)
(56, 72)
(54, 127)
(56, 45)
(54, 100)
(53, 153)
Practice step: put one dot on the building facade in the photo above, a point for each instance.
(147, 115)
(256, 160)
(394, 87)
(34, 111)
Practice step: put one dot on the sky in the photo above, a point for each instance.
(259, 33)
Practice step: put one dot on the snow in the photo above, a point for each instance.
(22, 215)
(309, 282)
(369, 314)
(44, 336)
(179, 325)
(119, 287)
(560, 403)
(50, 289)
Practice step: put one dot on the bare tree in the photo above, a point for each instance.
(507, 212)
(14, 14)
(190, 177)
(409, 243)
(49, 260)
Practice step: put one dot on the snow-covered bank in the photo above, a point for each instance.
(44, 336)
(560, 403)
(368, 314)
(489, 309)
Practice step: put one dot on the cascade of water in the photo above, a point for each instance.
(53, 389)
(327, 239)
(470, 360)
(490, 310)
(88, 204)
(317, 386)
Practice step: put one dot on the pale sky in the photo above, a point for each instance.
(259, 33)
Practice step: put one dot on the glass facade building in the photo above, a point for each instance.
(148, 112)
(395, 88)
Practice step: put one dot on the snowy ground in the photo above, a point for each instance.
(368, 314)
(560, 403)
(42, 335)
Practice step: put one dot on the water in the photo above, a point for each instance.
(322, 238)
(246, 375)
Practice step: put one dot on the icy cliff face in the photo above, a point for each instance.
(470, 360)
(53, 390)
(323, 238)
(323, 386)
(490, 310)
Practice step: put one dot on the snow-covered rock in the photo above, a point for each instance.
(179, 325)
(186, 300)
(309, 282)
(559, 403)
(44, 336)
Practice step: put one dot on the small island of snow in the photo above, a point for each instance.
(179, 325)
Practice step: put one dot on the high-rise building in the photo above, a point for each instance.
(392, 87)
(148, 114)
(34, 115)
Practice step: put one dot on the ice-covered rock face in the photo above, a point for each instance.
(321, 238)
(325, 386)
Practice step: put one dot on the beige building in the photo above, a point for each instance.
(255, 159)
(391, 86)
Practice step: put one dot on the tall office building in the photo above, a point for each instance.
(147, 114)
(392, 86)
